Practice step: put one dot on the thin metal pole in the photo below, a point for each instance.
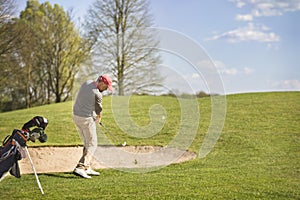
(36, 176)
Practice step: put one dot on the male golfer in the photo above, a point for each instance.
(87, 114)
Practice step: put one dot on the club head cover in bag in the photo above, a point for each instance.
(38, 133)
(38, 121)
(43, 138)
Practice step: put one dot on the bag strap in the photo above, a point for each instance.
(6, 140)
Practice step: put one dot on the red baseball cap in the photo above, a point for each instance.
(107, 80)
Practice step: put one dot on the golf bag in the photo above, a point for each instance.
(12, 149)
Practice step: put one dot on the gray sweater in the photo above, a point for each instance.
(89, 100)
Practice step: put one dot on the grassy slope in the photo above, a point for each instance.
(257, 155)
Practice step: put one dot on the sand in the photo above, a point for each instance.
(64, 159)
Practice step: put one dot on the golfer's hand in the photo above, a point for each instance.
(98, 119)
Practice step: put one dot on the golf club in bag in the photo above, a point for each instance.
(12, 151)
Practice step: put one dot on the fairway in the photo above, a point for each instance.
(256, 156)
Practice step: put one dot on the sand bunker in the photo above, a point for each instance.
(64, 159)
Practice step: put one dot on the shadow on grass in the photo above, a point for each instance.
(68, 175)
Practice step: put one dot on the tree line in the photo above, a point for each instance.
(43, 53)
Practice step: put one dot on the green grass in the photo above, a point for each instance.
(257, 155)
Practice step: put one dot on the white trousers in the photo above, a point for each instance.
(86, 127)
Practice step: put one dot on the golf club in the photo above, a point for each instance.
(114, 138)
(33, 168)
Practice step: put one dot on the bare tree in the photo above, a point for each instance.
(122, 45)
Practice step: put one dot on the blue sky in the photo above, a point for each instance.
(254, 44)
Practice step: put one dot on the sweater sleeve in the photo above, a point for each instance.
(98, 103)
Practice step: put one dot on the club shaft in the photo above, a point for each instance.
(33, 168)
(109, 133)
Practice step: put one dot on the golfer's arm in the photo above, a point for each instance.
(98, 108)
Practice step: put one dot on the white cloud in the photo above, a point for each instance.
(251, 32)
(238, 3)
(219, 64)
(244, 17)
(229, 71)
(221, 67)
(195, 75)
(272, 46)
(225, 70)
(216, 66)
(266, 8)
(286, 84)
(247, 70)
